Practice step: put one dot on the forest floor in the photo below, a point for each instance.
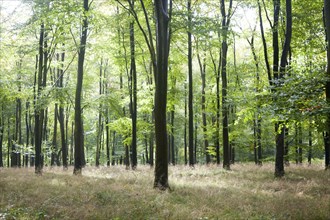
(245, 192)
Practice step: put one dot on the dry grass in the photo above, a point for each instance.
(246, 192)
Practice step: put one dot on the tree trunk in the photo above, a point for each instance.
(9, 142)
(162, 33)
(172, 142)
(185, 126)
(190, 90)
(310, 143)
(133, 93)
(151, 142)
(2, 126)
(279, 167)
(54, 159)
(18, 127)
(327, 87)
(113, 150)
(63, 121)
(257, 119)
(39, 111)
(225, 112)
(79, 157)
(99, 124)
(202, 67)
(300, 142)
(107, 137)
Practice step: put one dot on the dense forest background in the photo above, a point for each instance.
(243, 84)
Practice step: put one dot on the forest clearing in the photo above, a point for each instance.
(204, 192)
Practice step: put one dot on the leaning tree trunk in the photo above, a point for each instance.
(79, 155)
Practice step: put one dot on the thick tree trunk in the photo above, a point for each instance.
(280, 128)
(162, 33)
(79, 155)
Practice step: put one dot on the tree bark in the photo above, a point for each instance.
(225, 112)
(202, 67)
(39, 111)
(61, 119)
(327, 86)
(280, 127)
(54, 159)
(2, 126)
(79, 155)
(133, 93)
(162, 33)
(190, 90)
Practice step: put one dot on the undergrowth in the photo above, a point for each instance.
(204, 192)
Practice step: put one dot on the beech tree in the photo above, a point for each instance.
(327, 85)
(79, 153)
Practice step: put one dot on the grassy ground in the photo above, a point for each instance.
(246, 192)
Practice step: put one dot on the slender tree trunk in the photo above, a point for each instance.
(257, 120)
(225, 112)
(310, 143)
(327, 86)
(99, 124)
(39, 112)
(108, 136)
(2, 126)
(63, 121)
(79, 155)
(54, 159)
(190, 90)
(300, 142)
(9, 142)
(133, 93)
(113, 150)
(202, 67)
(127, 157)
(18, 127)
(265, 48)
(151, 143)
(185, 126)
(173, 158)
